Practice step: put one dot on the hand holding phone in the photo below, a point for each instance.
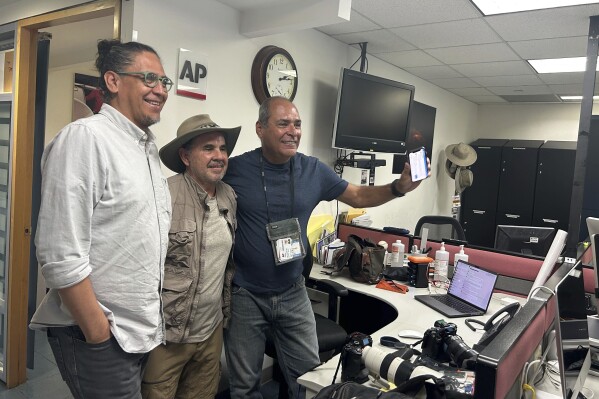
(418, 164)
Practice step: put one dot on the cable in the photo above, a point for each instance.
(527, 387)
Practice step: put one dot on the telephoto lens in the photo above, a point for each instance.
(460, 353)
(392, 366)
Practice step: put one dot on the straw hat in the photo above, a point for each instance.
(463, 179)
(189, 130)
(450, 168)
(461, 154)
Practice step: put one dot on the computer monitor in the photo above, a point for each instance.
(528, 240)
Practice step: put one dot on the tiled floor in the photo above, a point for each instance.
(44, 381)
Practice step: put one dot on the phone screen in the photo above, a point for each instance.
(418, 164)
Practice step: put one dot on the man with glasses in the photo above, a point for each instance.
(103, 230)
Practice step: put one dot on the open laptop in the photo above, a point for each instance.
(469, 292)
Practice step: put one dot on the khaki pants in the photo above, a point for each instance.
(184, 371)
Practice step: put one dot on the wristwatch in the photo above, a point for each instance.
(394, 189)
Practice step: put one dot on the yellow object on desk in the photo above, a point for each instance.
(319, 226)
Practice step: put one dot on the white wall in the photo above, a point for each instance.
(529, 121)
(211, 28)
(60, 95)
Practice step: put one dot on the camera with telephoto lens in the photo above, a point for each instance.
(352, 368)
(442, 344)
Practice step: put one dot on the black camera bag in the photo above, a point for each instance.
(364, 258)
(435, 389)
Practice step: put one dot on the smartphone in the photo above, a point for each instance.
(418, 164)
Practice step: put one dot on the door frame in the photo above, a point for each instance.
(22, 166)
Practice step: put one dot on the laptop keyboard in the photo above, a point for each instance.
(455, 303)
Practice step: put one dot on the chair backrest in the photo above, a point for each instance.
(440, 227)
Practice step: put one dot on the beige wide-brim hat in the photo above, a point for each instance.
(461, 154)
(189, 130)
(450, 168)
(463, 179)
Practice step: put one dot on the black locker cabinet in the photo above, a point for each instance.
(518, 173)
(553, 191)
(479, 202)
(590, 200)
(479, 226)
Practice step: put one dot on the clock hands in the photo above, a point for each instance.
(285, 78)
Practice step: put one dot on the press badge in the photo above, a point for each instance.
(286, 240)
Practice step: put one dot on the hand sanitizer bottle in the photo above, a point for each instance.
(457, 257)
(442, 262)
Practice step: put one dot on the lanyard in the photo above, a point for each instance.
(264, 185)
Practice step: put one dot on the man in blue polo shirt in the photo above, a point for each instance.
(280, 187)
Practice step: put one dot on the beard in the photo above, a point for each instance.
(149, 121)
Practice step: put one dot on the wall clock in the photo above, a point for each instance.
(274, 74)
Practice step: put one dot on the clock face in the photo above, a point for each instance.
(274, 74)
(281, 76)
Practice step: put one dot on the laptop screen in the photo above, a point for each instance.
(472, 284)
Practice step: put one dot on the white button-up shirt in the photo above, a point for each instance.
(105, 214)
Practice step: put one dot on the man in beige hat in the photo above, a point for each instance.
(199, 266)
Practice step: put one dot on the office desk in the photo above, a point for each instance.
(411, 315)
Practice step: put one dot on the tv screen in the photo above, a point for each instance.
(373, 113)
(422, 130)
(528, 240)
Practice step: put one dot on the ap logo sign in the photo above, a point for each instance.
(192, 72)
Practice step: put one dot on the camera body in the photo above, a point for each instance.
(352, 368)
(442, 344)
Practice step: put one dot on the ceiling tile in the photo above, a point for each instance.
(511, 80)
(562, 78)
(471, 91)
(411, 58)
(431, 72)
(568, 90)
(551, 48)
(533, 98)
(379, 41)
(356, 23)
(454, 83)
(494, 69)
(520, 90)
(543, 24)
(447, 34)
(394, 13)
(474, 54)
(485, 99)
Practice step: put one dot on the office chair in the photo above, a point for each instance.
(331, 336)
(440, 227)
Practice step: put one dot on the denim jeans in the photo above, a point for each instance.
(289, 318)
(96, 371)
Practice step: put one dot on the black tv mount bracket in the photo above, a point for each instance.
(369, 163)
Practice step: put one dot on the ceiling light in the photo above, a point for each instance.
(557, 65)
(492, 7)
(576, 98)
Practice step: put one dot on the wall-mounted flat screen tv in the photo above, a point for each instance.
(373, 113)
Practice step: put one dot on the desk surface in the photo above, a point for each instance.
(412, 315)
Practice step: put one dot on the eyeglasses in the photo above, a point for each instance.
(151, 79)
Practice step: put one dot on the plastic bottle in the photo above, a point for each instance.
(402, 252)
(442, 262)
(396, 261)
(458, 256)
